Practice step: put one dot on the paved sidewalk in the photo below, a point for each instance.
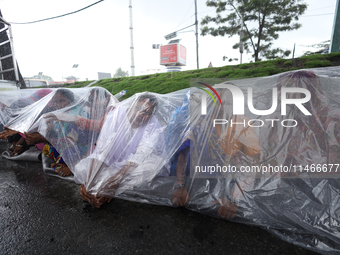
(40, 214)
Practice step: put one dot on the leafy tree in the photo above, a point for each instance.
(120, 73)
(262, 20)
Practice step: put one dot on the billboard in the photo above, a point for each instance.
(103, 75)
(173, 55)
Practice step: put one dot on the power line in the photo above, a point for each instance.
(321, 8)
(207, 11)
(186, 15)
(193, 15)
(185, 20)
(300, 16)
(317, 15)
(56, 16)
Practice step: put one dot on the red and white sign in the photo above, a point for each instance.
(182, 55)
(173, 55)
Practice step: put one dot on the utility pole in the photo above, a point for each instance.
(174, 34)
(131, 40)
(196, 22)
(335, 39)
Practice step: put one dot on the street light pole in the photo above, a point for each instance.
(131, 41)
(196, 33)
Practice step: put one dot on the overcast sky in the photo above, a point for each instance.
(98, 38)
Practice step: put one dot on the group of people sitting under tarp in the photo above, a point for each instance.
(270, 170)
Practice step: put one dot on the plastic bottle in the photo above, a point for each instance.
(120, 94)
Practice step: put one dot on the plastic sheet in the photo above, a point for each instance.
(23, 109)
(269, 160)
(46, 164)
(32, 154)
(283, 167)
(97, 145)
(12, 102)
(19, 110)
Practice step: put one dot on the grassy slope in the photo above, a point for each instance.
(163, 82)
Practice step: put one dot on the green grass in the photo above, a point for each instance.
(318, 63)
(165, 83)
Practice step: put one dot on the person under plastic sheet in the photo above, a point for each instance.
(129, 150)
(60, 99)
(73, 130)
(316, 137)
(310, 196)
(178, 124)
(180, 168)
(14, 108)
(233, 145)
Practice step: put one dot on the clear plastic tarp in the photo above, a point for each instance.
(23, 110)
(262, 151)
(20, 109)
(12, 102)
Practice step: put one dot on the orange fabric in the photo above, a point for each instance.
(88, 124)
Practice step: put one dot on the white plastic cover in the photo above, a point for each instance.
(20, 109)
(270, 159)
(97, 143)
(278, 162)
(12, 102)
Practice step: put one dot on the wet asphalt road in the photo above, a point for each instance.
(40, 214)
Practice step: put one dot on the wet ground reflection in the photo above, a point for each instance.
(40, 214)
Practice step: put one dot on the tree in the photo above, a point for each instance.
(44, 77)
(230, 59)
(120, 73)
(320, 47)
(261, 20)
